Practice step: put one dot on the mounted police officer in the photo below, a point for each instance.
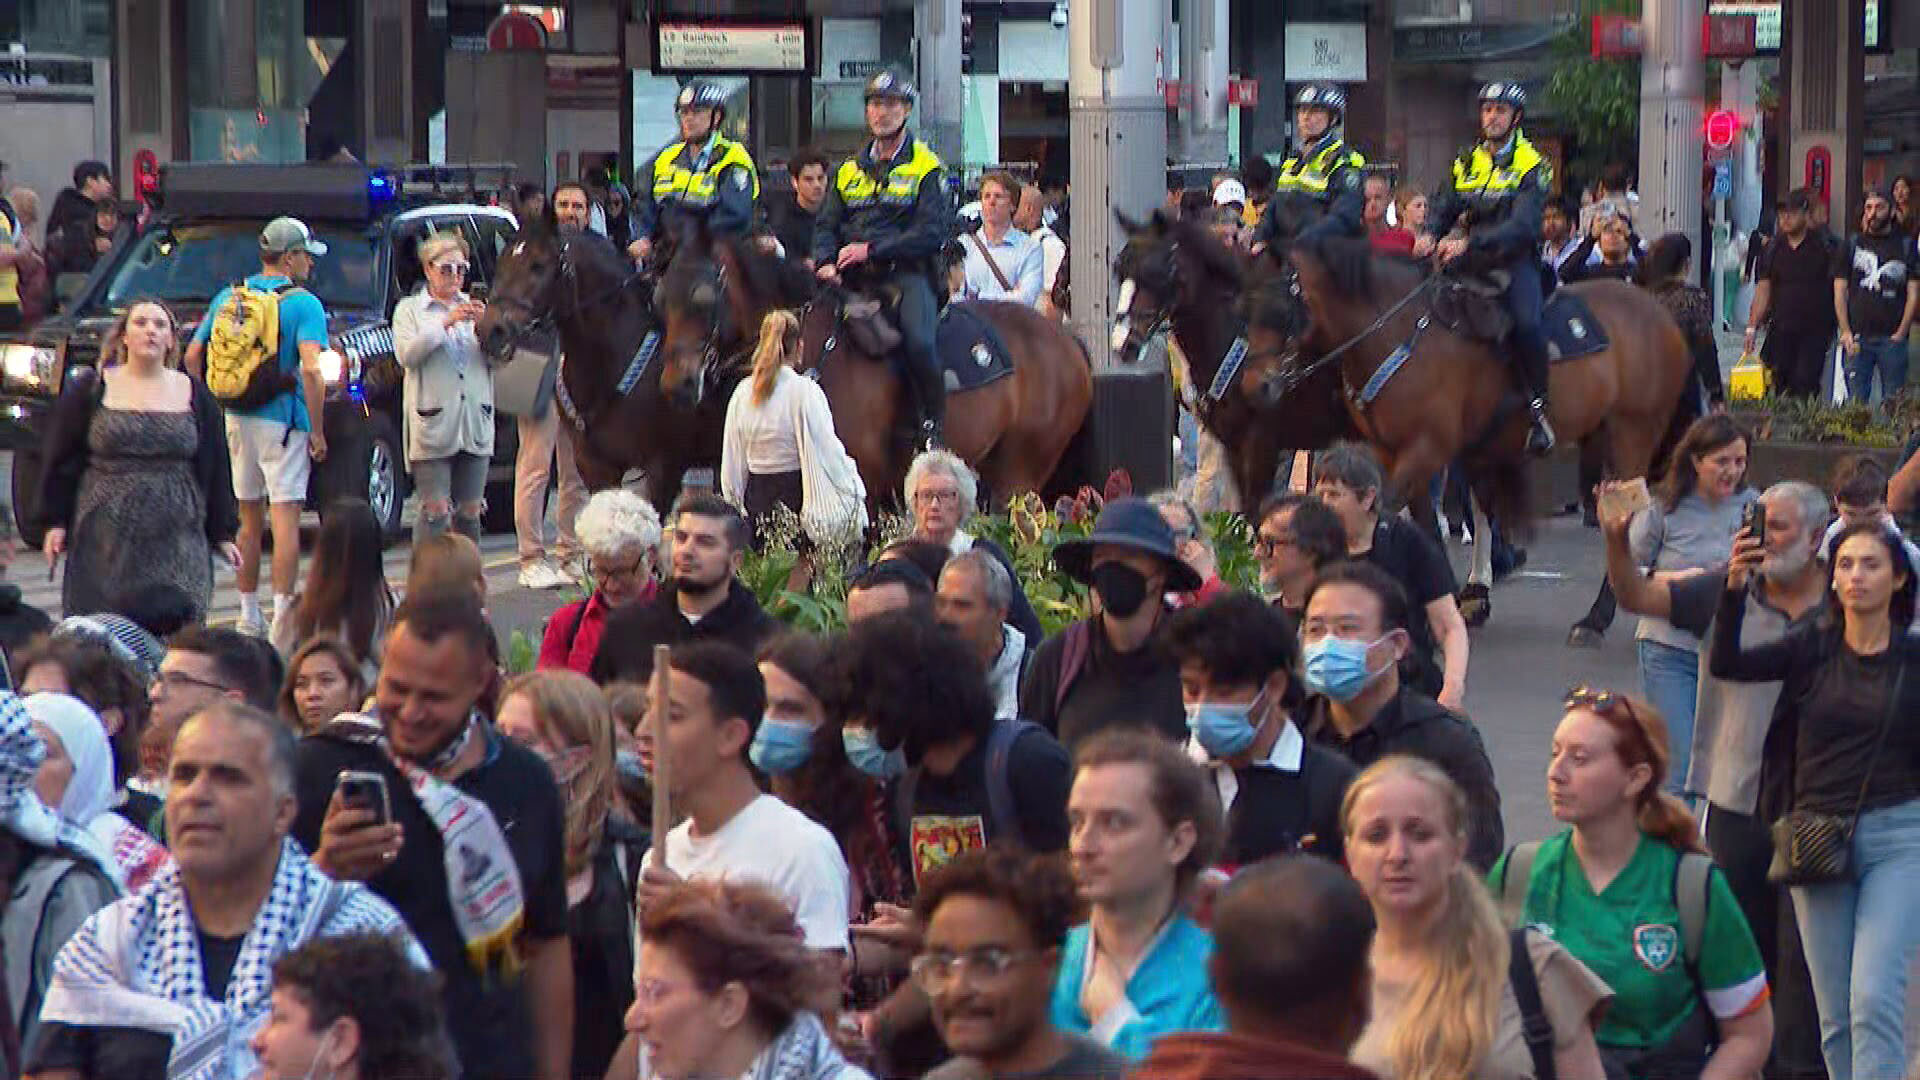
(888, 209)
(1500, 187)
(705, 174)
(1320, 185)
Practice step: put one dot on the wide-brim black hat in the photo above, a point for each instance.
(1131, 523)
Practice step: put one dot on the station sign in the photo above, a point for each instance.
(723, 47)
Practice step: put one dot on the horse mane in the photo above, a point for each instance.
(1357, 271)
(784, 280)
(589, 249)
(1216, 258)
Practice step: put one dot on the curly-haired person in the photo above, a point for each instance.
(353, 1008)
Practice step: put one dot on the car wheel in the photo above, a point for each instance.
(27, 468)
(384, 481)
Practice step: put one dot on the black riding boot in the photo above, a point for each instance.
(1532, 349)
(932, 392)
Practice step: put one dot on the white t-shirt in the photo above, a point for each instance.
(770, 843)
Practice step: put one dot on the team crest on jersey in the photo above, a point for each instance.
(1656, 944)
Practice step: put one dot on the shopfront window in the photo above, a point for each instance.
(250, 72)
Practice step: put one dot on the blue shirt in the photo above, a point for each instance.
(1167, 992)
(1017, 255)
(303, 321)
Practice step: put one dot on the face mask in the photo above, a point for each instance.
(1224, 729)
(1337, 667)
(628, 765)
(1122, 589)
(864, 750)
(780, 746)
(326, 1044)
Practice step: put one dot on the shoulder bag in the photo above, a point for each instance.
(998, 274)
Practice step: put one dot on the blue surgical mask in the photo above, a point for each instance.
(1224, 729)
(780, 746)
(628, 765)
(1337, 667)
(867, 755)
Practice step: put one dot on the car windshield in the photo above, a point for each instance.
(190, 263)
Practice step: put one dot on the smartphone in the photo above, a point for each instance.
(1756, 520)
(363, 790)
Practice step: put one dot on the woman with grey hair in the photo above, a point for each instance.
(941, 493)
(448, 392)
(621, 533)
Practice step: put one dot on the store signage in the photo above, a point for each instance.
(1470, 42)
(1766, 14)
(687, 47)
(1243, 92)
(1336, 52)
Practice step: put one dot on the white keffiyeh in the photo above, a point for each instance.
(136, 963)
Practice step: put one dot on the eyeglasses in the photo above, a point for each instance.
(936, 498)
(603, 573)
(458, 268)
(1265, 544)
(1588, 697)
(651, 991)
(932, 971)
(177, 680)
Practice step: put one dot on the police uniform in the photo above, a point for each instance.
(1322, 183)
(900, 208)
(1501, 195)
(714, 179)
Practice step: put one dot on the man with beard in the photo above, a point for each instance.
(1793, 298)
(1874, 295)
(703, 601)
(1731, 720)
(460, 829)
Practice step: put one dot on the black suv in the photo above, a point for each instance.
(204, 234)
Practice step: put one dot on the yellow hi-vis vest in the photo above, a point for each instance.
(1310, 177)
(674, 183)
(899, 188)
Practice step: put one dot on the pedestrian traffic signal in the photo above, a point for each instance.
(1723, 126)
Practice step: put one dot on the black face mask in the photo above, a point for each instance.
(1122, 589)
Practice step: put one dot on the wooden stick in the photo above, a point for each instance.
(657, 709)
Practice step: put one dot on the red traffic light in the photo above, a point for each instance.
(1723, 126)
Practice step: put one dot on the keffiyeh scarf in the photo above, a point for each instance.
(136, 963)
(483, 880)
(21, 811)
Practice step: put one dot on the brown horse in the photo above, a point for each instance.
(577, 283)
(1013, 431)
(1454, 396)
(1175, 274)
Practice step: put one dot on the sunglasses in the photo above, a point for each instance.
(1600, 701)
(459, 268)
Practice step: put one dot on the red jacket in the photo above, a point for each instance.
(1237, 1057)
(1392, 241)
(573, 632)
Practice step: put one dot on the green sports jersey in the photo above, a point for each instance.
(1630, 935)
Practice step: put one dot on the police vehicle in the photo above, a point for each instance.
(202, 232)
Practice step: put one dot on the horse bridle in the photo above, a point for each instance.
(547, 319)
(1292, 374)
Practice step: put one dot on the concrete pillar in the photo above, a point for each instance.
(1119, 140)
(1823, 61)
(149, 84)
(936, 25)
(384, 35)
(1203, 81)
(1673, 86)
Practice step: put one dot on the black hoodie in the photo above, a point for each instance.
(626, 646)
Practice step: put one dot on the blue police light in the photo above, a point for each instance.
(382, 188)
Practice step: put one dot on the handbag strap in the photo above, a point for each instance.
(998, 275)
(1886, 723)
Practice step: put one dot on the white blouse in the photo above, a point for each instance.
(792, 431)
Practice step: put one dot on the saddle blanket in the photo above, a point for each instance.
(970, 349)
(1570, 327)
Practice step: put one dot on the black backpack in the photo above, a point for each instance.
(1003, 815)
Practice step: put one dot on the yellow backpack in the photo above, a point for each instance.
(243, 348)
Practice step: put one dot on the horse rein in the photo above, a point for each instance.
(1295, 374)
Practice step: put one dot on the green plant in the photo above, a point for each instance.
(1782, 418)
(1597, 100)
(522, 652)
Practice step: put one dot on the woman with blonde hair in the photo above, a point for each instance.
(1446, 1004)
(780, 447)
(1628, 891)
(137, 485)
(563, 717)
(447, 393)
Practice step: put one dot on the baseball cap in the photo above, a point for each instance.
(1230, 191)
(285, 234)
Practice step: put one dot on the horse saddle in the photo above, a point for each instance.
(870, 322)
(1473, 305)
(971, 351)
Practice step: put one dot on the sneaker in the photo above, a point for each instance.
(542, 575)
(256, 628)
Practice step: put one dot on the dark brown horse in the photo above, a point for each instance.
(1013, 431)
(1453, 397)
(1176, 275)
(576, 283)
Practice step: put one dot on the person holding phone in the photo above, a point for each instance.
(448, 392)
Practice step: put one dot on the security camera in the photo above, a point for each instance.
(1059, 16)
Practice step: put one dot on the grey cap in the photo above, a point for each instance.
(285, 234)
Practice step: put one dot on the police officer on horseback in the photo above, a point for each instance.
(704, 175)
(1322, 182)
(888, 210)
(1499, 190)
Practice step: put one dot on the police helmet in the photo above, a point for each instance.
(701, 95)
(1322, 95)
(1505, 93)
(890, 86)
